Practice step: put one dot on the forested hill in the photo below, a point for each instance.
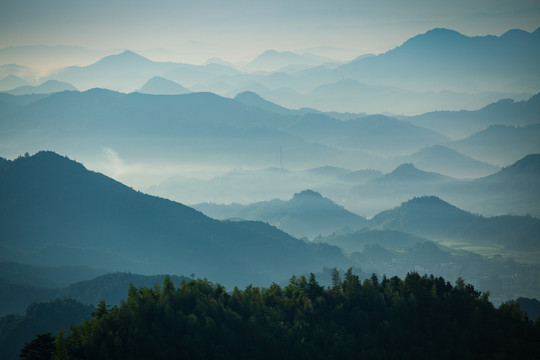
(80, 217)
(415, 318)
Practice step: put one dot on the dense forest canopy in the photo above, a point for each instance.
(419, 317)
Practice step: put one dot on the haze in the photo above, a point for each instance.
(237, 31)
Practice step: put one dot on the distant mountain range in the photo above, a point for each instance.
(11, 82)
(307, 214)
(161, 86)
(84, 218)
(357, 241)
(47, 276)
(48, 87)
(443, 59)
(441, 159)
(512, 190)
(458, 125)
(251, 134)
(273, 60)
(388, 190)
(450, 71)
(434, 218)
(501, 144)
(127, 70)
(376, 133)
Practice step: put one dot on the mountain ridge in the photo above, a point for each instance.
(306, 214)
(183, 239)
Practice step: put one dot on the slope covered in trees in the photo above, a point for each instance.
(44, 317)
(415, 318)
(80, 217)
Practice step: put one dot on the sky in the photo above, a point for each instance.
(238, 30)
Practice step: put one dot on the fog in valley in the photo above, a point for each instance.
(247, 144)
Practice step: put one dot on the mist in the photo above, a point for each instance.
(272, 146)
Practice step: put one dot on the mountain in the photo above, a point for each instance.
(353, 95)
(358, 241)
(409, 173)
(431, 217)
(202, 126)
(389, 190)
(39, 318)
(246, 186)
(124, 71)
(307, 214)
(443, 59)
(273, 60)
(112, 287)
(530, 306)
(219, 61)
(403, 179)
(460, 124)
(49, 86)
(16, 297)
(19, 71)
(161, 86)
(80, 217)
(253, 99)
(47, 276)
(378, 134)
(11, 82)
(526, 169)
(44, 58)
(501, 144)
(512, 190)
(441, 159)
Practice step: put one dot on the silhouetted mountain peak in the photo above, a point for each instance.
(128, 53)
(161, 86)
(443, 32)
(251, 98)
(515, 34)
(12, 77)
(47, 163)
(248, 96)
(125, 57)
(529, 165)
(307, 194)
(438, 37)
(409, 172)
(406, 169)
(430, 200)
(422, 216)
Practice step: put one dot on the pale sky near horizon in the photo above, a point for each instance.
(238, 30)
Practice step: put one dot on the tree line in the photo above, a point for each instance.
(418, 317)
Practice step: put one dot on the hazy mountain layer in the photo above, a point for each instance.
(441, 159)
(11, 82)
(47, 277)
(83, 218)
(501, 144)
(443, 59)
(161, 86)
(460, 124)
(440, 69)
(377, 134)
(433, 218)
(307, 214)
(48, 87)
(512, 190)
